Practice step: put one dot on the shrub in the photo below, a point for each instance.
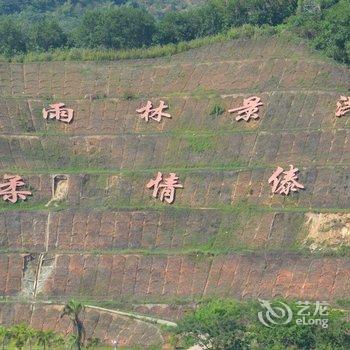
(231, 325)
(115, 27)
(217, 110)
(47, 34)
(12, 40)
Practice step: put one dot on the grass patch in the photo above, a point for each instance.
(26, 205)
(129, 96)
(200, 144)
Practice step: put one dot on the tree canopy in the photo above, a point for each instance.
(43, 25)
(224, 324)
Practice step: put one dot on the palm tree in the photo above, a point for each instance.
(20, 334)
(72, 310)
(45, 338)
(4, 335)
(70, 341)
(92, 343)
(31, 336)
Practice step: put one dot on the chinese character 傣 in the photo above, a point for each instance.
(283, 182)
(164, 189)
(249, 109)
(343, 106)
(9, 190)
(148, 112)
(59, 112)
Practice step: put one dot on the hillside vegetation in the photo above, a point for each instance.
(65, 26)
(92, 231)
(74, 8)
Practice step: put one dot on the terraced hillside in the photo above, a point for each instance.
(93, 231)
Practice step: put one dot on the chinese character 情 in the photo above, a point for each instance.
(283, 182)
(165, 189)
(343, 106)
(249, 109)
(59, 112)
(148, 112)
(9, 190)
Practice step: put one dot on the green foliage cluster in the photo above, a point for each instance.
(82, 54)
(217, 110)
(108, 26)
(21, 335)
(73, 309)
(224, 324)
(326, 24)
(78, 29)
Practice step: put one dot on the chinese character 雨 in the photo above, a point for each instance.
(59, 112)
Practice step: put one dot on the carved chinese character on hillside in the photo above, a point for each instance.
(58, 111)
(343, 106)
(249, 109)
(164, 189)
(148, 112)
(283, 182)
(10, 191)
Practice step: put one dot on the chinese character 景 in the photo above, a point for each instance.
(283, 182)
(59, 112)
(343, 106)
(249, 109)
(164, 189)
(9, 190)
(148, 112)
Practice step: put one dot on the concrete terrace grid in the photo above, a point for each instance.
(225, 235)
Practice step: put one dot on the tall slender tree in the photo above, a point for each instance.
(73, 309)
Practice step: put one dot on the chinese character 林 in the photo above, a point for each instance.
(148, 112)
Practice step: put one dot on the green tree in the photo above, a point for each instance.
(5, 336)
(269, 11)
(47, 34)
(21, 335)
(73, 309)
(229, 325)
(328, 30)
(217, 324)
(115, 27)
(11, 6)
(92, 343)
(176, 27)
(46, 338)
(334, 35)
(32, 336)
(12, 40)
